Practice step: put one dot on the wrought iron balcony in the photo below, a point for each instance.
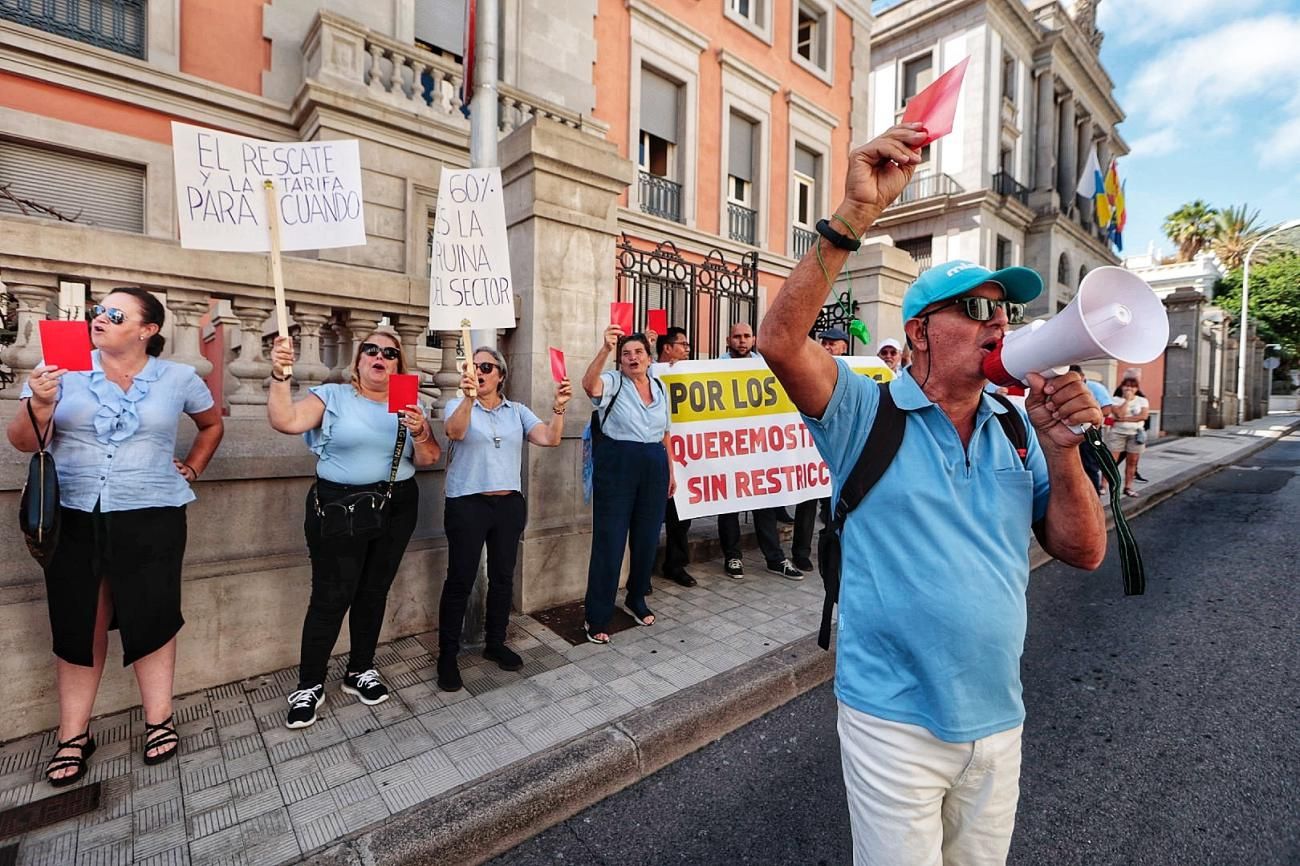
(801, 241)
(660, 196)
(1005, 184)
(928, 186)
(741, 222)
(118, 25)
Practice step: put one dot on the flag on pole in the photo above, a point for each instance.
(1092, 186)
(1114, 195)
(467, 58)
(1121, 217)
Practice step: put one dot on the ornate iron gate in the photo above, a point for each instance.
(839, 313)
(704, 297)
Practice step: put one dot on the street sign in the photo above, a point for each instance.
(1272, 363)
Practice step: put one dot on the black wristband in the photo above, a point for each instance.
(844, 242)
(279, 378)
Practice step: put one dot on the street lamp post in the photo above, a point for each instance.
(1245, 306)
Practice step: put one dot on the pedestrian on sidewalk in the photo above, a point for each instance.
(122, 498)
(672, 347)
(361, 448)
(932, 601)
(633, 478)
(1127, 437)
(740, 344)
(485, 503)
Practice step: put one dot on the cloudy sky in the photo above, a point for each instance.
(1212, 94)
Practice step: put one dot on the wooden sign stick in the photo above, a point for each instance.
(277, 275)
(467, 345)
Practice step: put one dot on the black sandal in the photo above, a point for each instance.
(157, 736)
(57, 762)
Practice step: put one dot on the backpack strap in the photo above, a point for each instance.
(883, 442)
(1013, 424)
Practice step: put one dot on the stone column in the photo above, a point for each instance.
(313, 322)
(1067, 159)
(1182, 409)
(447, 377)
(412, 328)
(351, 329)
(251, 368)
(35, 294)
(186, 309)
(1044, 140)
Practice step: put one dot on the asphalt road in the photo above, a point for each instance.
(1162, 729)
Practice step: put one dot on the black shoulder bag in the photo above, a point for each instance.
(596, 417)
(38, 509)
(356, 512)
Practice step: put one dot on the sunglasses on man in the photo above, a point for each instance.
(390, 353)
(113, 314)
(982, 309)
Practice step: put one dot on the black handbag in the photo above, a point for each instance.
(38, 509)
(357, 512)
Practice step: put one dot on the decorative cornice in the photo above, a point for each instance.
(643, 10)
(808, 107)
(732, 63)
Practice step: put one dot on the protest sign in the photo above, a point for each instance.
(470, 278)
(736, 440)
(220, 198)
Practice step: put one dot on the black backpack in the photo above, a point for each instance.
(883, 442)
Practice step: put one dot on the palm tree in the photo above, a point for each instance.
(1235, 229)
(1191, 227)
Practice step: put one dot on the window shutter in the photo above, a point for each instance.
(107, 194)
(658, 106)
(805, 162)
(441, 23)
(741, 149)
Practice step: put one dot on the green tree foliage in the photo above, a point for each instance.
(1191, 227)
(1274, 299)
(1235, 229)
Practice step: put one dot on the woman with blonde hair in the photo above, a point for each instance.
(366, 455)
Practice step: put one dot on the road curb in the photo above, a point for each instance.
(491, 816)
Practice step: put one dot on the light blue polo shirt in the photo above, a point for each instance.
(936, 562)
(631, 420)
(476, 464)
(356, 438)
(1099, 392)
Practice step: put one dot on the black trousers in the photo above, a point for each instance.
(805, 521)
(769, 541)
(471, 523)
(677, 552)
(352, 578)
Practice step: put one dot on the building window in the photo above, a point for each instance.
(1003, 254)
(118, 25)
(750, 10)
(918, 73)
(806, 171)
(440, 27)
(1007, 161)
(43, 182)
(660, 193)
(1083, 272)
(920, 249)
(742, 212)
(810, 34)
(1063, 270)
(1009, 78)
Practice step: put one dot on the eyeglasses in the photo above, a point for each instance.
(686, 343)
(113, 314)
(888, 350)
(486, 367)
(389, 352)
(981, 309)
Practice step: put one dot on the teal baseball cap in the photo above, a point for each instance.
(954, 278)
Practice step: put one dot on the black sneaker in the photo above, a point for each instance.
(735, 568)
(803, 564)
(1137, 476)
(683, 578)
(449, 673)
(506, 658)
(302, 707)
(785, 569)
(367, 686)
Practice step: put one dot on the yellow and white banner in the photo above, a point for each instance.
(737, 442)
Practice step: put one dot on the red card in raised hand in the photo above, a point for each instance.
(620, 313)
(558, 371)
(657, 321)
(936, 106)
(66, 344)
(403, 390)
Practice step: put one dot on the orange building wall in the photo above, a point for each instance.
(47, 100)
(221, 40)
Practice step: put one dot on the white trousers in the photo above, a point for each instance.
(915, 800)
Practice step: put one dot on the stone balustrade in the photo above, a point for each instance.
(341, 53)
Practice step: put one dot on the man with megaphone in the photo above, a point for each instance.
(932, 600)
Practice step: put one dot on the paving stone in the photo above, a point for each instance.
(364, 813)
(313, 808)
(353, 792)
(266, 827)
(641, 688)
(224, 845)
(206, 823)
(296, 768)
(302, 788)
(143, 796)
(114, 854)
(257, 804)
(391, 711)
(253, 783)
(319, 833)
(597, 707)
(178, 856)
(282, 849)
(159, 815)
(289, 749)
(207, 798)
(326, 732)
(485, 751)
(160, 840)
(544, 727)
(105, 833)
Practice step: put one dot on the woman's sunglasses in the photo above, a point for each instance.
(486, 367)
(113, 314)
(981, 309)
(389, 353)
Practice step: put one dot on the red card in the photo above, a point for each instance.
(657, 321)
(66, 344)
(558, 371)
(936, 106)
(403, 390)
(620, 313)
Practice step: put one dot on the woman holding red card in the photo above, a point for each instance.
(485, 505)
(122, 499)
(362, 448)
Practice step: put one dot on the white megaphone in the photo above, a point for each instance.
(1114, 315)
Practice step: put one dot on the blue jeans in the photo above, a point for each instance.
(630, 492)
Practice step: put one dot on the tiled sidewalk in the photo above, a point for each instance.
(245, 790)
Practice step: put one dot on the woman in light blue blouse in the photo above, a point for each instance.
(633, 478)
(354, 436)
(485, 503)
(122, 505)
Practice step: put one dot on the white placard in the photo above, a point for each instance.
(470, 277)
(737, 442)
(221, 200)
